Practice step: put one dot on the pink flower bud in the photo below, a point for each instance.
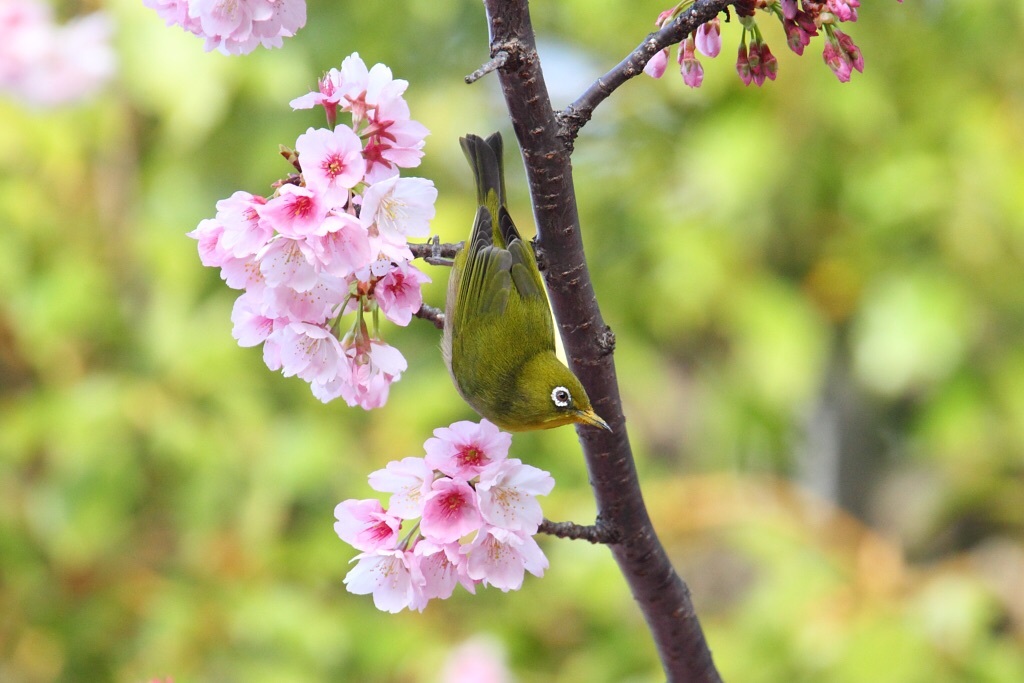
(769, 64)
(743, 65)
(847, 45)
(837, 61)
(754, 58)
(709, 38)
(655, 68)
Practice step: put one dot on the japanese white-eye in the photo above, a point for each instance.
(499, 340)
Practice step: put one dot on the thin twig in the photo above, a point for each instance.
(493, 64)
(435, 252)
(434, 315)
(593, 533)
(575, 116)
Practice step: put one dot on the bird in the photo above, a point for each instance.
(499, 339)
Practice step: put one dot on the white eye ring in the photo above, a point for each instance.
(561, 397)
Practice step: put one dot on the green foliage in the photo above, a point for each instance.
(807, 278)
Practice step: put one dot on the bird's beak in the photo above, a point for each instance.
(591, 418)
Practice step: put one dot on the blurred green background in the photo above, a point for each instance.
(816, 290)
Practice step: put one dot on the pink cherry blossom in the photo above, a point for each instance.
(657, 64)
(364, 89)
(251, 327)
(499, 558)
(399, 207)
(312, 306)
(46, 64)
(398, 293)
(408, 481)
(450, 511)
(365, 525)
(845, 10)
(175, 12)
(435, 565)
(368, 376)
(465, 448)
(244, 233)
(234, 26)
(309, 351)
(287, 262)
(295, 212)
(507, 492)
(341, 245)
(327, 95)
(228, 18)
(387, 575)
(284, 20)
(208, 234)
(332, 162)
(243, 273)
(393, 140)
(478, 660)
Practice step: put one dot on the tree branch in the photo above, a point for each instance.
(660, 593)
(434, 252)
(594, 533)
(576, 115)
(496, 62)
(434, 315)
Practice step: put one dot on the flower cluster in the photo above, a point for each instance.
(234, 27)
(45, 64)
(469, 512)
(331, 241)
(755, 63)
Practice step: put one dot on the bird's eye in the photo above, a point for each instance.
(561, 397)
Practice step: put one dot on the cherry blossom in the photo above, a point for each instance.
(309, 351)
(408, 481)
(439, 570)
(287, 262)
(329, 248)
(493, 501)
(234, 26)
(294, 212)
(46, 64)
(465, 448)
(398, 293)
(507, 493)
(332, 162)
(500, 558)
(365, 525)
(450, 511)
(478, 660)
(387, 575)
(399, 207)
(245, 233)
(251, 326)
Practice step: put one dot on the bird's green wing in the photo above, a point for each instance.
(486, 281)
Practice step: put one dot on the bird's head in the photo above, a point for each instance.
(549, 395)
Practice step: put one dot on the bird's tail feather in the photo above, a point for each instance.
(485, 158)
